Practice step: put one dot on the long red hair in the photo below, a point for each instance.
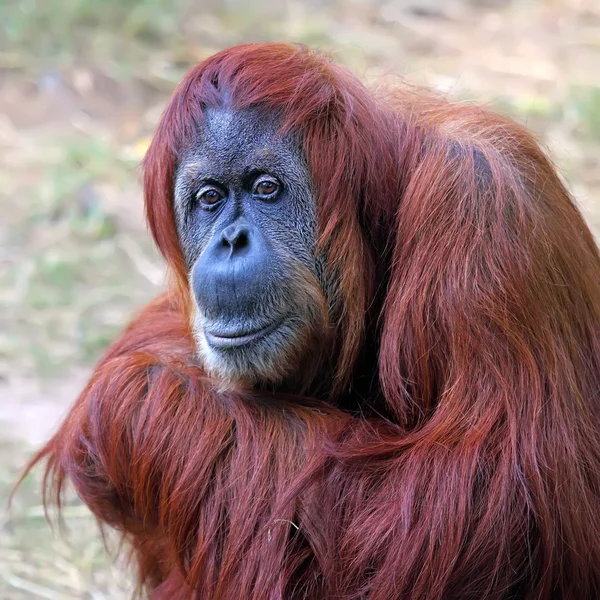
(455, 453)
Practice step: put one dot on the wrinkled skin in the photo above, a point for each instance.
(246, 220)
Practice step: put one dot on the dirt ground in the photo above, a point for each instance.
(82, 85)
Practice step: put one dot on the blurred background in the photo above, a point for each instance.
(82, 85)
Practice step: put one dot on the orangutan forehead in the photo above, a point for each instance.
(232, 139)
(229, 132)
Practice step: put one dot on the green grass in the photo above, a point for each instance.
(584, 109)
(72, 288)
(52, 29)
(121, 35)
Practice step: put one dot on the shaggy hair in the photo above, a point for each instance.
(453, 451)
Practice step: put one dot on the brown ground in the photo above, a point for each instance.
(82, 85)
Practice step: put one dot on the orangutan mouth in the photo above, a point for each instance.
(233, 339)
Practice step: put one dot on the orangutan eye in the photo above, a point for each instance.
(209, 197)
(265, 187)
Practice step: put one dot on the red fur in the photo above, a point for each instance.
(467, 271)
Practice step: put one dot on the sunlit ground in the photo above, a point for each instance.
(82, 84)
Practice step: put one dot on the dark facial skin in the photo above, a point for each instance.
(247, 226)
